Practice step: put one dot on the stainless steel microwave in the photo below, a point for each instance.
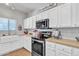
(42, 24)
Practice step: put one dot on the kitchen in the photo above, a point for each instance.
(39, 29)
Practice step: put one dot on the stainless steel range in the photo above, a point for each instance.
(38, 47)
(38, 43)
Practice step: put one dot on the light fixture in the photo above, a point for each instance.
(13, 8)
(7, 4)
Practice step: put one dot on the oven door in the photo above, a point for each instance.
(37, 48)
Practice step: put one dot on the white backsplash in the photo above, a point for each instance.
(69, 33)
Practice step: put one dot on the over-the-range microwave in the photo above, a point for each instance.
(42, 24)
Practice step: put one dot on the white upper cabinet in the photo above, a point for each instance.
(34, 22)
(26, 23)
(30, 23)
(39, 17)
(64, 15)
(52, 15)
(75, 15)
(43, 15)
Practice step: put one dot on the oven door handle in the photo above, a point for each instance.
(37, 41)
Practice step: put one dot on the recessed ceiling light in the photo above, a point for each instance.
(7, 4)
(13, 8)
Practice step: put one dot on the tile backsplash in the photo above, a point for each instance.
(69, 33)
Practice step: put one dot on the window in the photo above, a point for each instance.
(12, 24)
(3, 24)
(7, 24)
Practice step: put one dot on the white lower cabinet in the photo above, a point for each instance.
(10, 46)
(50, 53)
(16, 45)
(63, 48)
(27, 43)
(62, 53)
(50, 49)
(54, 49)
(75, 52)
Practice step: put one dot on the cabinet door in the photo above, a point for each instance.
(5, 48)
(39, 17)
(63, 48)
(74, 12)
(44, 15)
(25, 23)
(75, 15)
(25, 43)
(50, 49)
(64, 15)
(34, 22)
(16, 45)
(75, 52)
(62, 53)
(30, 23)
(29, 44)
(52, 15)
(10, 46)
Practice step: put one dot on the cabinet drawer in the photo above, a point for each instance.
(50, 49)
(62, 53)
(64, 48)
(50, 45)
(50, 53)
(75, 51)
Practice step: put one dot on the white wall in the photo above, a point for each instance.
(13, 14)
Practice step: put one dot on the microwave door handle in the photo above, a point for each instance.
(45, 24)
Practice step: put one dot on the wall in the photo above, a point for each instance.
(13, 14)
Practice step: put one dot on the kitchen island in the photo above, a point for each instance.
(13, 43)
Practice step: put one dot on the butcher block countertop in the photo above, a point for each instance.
(67, 42)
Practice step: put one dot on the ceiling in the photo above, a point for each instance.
(27, 7)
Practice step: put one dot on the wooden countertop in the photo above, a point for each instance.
(67, 42)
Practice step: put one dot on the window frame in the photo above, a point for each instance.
(8, 20)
